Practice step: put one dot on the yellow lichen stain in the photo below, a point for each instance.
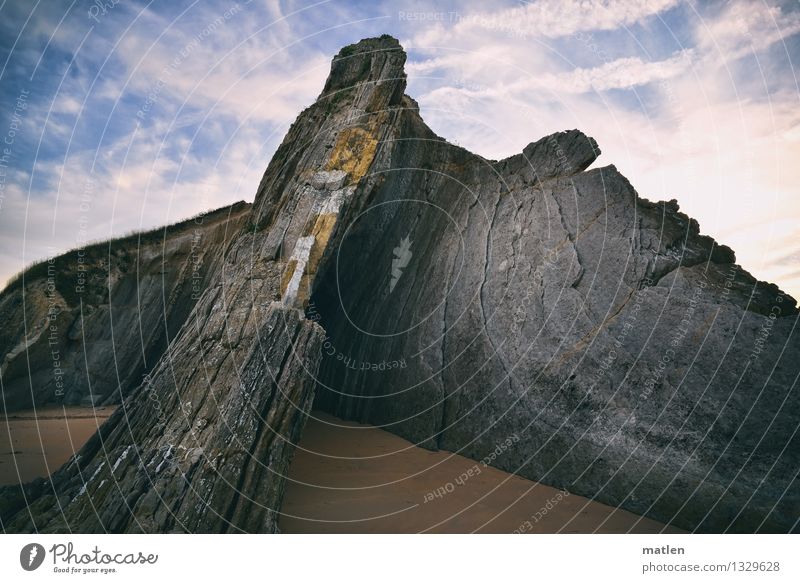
(353, 152)
(287, 275)
(323, 228)
(303, 291)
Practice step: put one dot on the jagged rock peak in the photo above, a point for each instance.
(378, 60)
(356, 111)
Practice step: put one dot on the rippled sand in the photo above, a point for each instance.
(351, 478)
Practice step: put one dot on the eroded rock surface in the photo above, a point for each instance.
(204, 442)
(199, 449)
(466, 303)
(471, 300)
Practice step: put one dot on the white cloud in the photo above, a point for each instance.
(546, 18)
(744, 27)
(226, 64)
(226, 97)
(137, 185)
(624, 73)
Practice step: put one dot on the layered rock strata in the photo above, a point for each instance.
(466, 304)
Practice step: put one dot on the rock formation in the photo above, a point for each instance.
(86, 326)
(464, 302)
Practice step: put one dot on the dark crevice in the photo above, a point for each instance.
(487, 261)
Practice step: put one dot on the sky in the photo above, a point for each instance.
(119, 115)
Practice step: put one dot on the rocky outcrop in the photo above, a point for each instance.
(467, 304)
(193, 450)
(86, 326)
(636, 362)
(470, 300)
(203, 444)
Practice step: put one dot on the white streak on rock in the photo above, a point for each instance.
(302, 249)
(82, 491)
(167, 455)
(120, 459)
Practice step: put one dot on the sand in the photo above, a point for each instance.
(351, 478)
(35, 444)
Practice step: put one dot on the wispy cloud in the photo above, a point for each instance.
(170, 109)
(156, 117)
(545, 18)
(625, 73)
(745, 27)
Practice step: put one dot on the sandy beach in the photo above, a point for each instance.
(353, 478)
(35, 444)
(359, 479)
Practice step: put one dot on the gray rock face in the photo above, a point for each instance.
(203, 444)
(175, 458)
(466, 303)
(471, 300)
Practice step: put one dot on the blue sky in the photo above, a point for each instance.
(131, 114)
